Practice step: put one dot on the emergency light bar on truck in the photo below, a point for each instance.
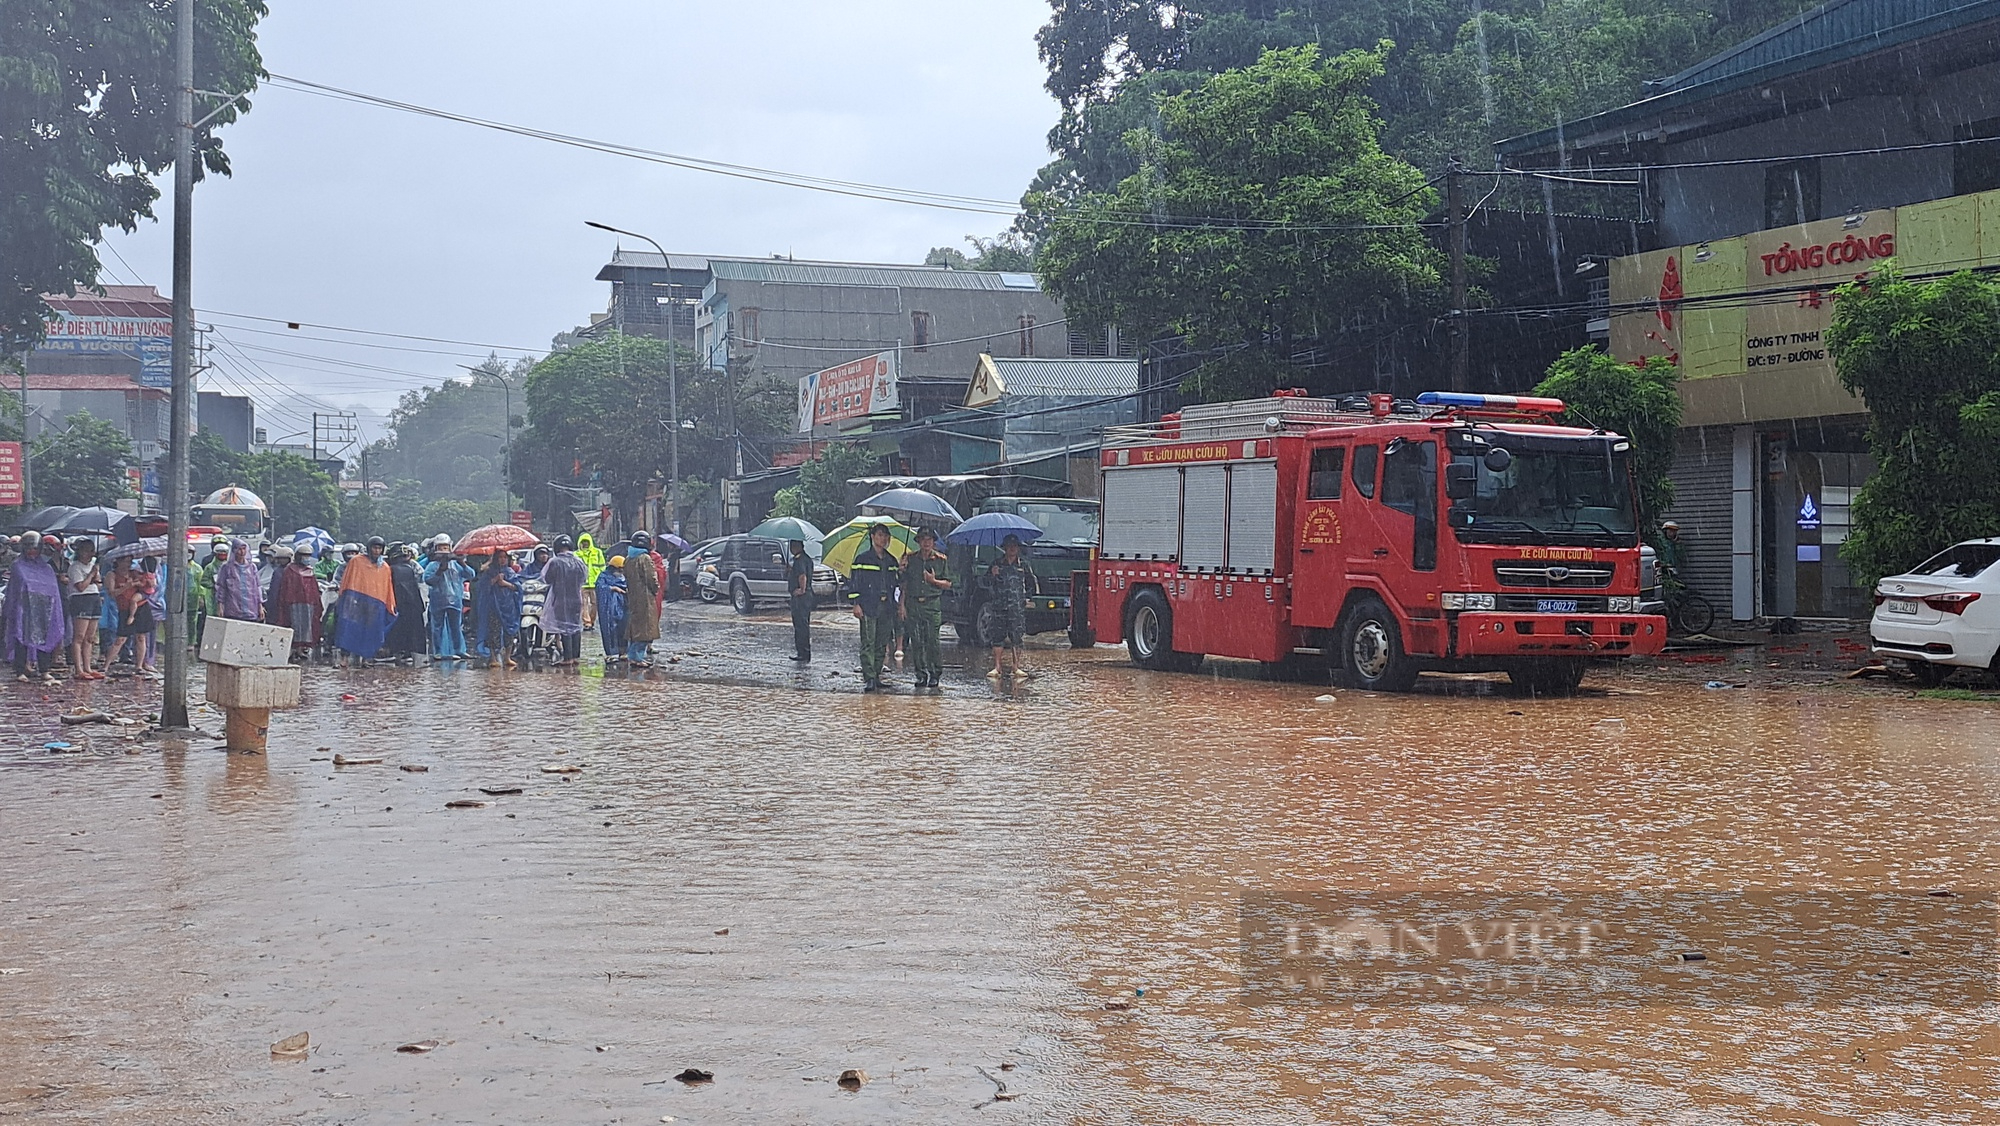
(1462, 403)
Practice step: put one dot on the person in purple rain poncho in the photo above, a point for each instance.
(562, 613)
(33, 619)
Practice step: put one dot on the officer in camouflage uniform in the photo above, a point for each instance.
(924, 580)
(1013, 582)
(871, 589)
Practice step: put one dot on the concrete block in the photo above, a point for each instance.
(245, 645)
(234, 687)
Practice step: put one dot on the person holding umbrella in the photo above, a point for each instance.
(33, 616)
(871, 589)
(85, 588)
(497, 597)
(925, 580)
(799, 572)
(1013, 582)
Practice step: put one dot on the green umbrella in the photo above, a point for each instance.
(789, 528)
(851, 539)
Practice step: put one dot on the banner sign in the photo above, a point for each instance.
(150, 340)
(10, 473)
(853, 390)
(522, 518)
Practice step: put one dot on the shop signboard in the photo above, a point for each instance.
(853, 390)
(150, 340)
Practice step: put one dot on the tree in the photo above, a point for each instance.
(452, 438)
(87, 121)
(1640, 402)
(1009, 250)
(597, 419)
(821, 494)
(83, 463)
(298, 492)
(1264, 220)
(211, 464)
(1464, 72)
(1925, 357)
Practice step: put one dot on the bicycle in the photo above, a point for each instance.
(1687, 611)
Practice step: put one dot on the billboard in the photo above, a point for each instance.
(855, 389)
(10, 473)
(150, 340)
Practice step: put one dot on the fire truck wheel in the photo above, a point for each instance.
(1547, 678)
(1149, 632)
(1371, 649)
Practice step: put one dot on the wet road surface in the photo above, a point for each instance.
(1033, 891)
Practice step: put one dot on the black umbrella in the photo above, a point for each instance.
(43, 519)
(99, 521)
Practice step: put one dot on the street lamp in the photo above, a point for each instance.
(673, 383)
(506, 427)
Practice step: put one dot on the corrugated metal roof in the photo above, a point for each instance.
(1831, 33)
(1025, 375)
(1824, 28)
(785, 271)
(118, 301)
(651, 260)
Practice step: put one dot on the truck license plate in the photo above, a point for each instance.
(1900, 605)
(1555, 605)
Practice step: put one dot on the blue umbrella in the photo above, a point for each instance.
(912, 505)
(988, 528)
(319, 541)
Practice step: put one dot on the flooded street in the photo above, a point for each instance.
(1035, 893)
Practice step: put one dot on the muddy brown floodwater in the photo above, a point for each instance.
(1038, 893)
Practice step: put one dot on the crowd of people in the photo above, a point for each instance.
(396, 603)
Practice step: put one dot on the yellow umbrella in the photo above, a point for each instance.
(851, 539)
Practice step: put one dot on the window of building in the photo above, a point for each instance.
(748, 331)
(1027, 334)
(1324, 484)
(1364, 470)
(920, 331)
(1976, 168)
(1791, 193)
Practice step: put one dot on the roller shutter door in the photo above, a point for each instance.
(1702, 481)
(1141, 509)
(1204, 517)
(1253, 516)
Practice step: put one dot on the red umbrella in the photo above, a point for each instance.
(496, 537)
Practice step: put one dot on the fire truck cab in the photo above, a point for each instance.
(1457, 533)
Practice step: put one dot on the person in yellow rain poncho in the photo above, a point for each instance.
(592, 557)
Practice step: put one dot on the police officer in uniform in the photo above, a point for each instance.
(924, 581)
(871, 588)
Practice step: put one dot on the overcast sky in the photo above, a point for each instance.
(366, 218)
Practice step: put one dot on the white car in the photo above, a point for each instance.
(1944, 614)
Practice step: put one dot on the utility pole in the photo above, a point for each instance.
(1454, 204)
(673, 378)
(180, 429)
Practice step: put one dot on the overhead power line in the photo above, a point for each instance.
(915, 197)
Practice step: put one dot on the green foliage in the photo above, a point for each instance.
(83, 463)
(1008, 250)
(597, 415)
(1925, 357)
(455, 518)
(211, 464)
(1465, 72)
(821, 494)
(1186, 244)
(1638, 402)
(451, 439)
(86, 122)
(297, 492)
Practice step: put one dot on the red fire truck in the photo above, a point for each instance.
(1456, 533)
